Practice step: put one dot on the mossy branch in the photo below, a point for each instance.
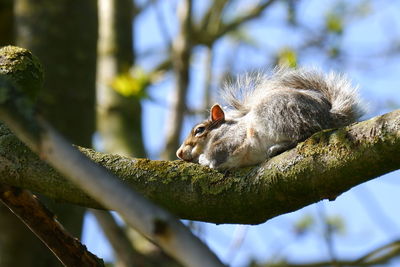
(323, 167)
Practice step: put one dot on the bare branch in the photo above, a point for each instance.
(379, 256)
(44, 225)
(208, 69)
(181, 50)
(252, 14)
(161, 22)
(212, 19)
(126, 254)
(208, 38)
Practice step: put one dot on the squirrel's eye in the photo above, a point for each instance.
(199, 130)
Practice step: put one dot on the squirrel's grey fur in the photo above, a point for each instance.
(335, 88)
(270, 114)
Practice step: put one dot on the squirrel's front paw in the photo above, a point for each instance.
(206, 162)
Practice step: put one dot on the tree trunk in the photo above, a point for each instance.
(6, 22)
(63, 34)
(15, 238)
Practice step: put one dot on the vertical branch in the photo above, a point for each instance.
(181, 49)
(118, 117)
(161, 22)
(213, 17)
(327, 234)
(208, 76)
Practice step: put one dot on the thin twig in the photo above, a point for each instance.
(386, 253)
(327, 234)
(126, 255)
(162, 23)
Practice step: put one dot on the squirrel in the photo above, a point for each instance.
(270, 114)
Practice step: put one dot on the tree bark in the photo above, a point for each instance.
(324, 166)
(150, 220)
(63, 34)
(6, 22)
(17, 239)
(49, 30)
(44, 224)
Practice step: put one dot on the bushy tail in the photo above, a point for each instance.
(346, 107)
(337, 89)
(236, 94)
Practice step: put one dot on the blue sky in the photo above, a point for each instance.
(369, 211)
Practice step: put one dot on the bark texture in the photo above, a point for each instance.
(20, 66)
(63, 35)
(322, 167)
(44, 224)
(149, 219)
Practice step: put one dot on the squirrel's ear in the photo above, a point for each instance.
(217, 113)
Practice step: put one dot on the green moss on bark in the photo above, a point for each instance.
(322, 167)
(23, 68)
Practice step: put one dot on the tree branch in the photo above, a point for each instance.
(252, 14)
(150, 220)
(209, 37)
(379, 256)
(45, 226)
(125, 254)
(181, 51)
(323, 167)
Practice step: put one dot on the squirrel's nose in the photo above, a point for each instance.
(179, 153)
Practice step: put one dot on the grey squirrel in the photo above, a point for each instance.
(270, 114)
